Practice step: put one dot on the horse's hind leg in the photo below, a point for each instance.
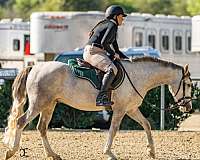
(21, 123)
(138, 117)
(115, 123)
(11, 151)
(45, 117)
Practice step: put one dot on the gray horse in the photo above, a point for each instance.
(51, 82)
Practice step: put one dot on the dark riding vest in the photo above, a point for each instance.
(104, 36)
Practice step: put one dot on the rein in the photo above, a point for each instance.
(172, 106)
(131, 81)
(148, 103)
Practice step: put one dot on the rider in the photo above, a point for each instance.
(98, 51)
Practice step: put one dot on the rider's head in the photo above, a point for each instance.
(115, 12)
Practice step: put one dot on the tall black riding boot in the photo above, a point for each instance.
(103, 97)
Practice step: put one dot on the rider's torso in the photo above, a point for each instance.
(104, 34)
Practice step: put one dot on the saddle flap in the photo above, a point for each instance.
(94, 75)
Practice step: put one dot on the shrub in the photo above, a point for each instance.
(66, 116)
(5, 102)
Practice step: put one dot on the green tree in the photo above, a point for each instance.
(3, 2)
(6, 10)
(179, 8)
(85, 5)
(128, 5)
(153, 6)
(193, 7)
(5, 102)
(24, 8)
(52, 5)
(1, 12)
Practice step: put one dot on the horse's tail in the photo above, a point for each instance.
(19, 100)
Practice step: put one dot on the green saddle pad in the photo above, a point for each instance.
(91, 75)
(85, 73)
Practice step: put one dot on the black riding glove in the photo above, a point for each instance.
(111, 56)
(122, 55)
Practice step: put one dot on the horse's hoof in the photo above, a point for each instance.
(112, 158)
(9, 154)
(151, 152)
(152, 155)
(111, 155)
(54, 157)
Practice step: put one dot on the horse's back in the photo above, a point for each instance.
(44, 69)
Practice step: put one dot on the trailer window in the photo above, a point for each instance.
(188, 44)
(16, 44)
(138, 39)
(165, 42)
(30, 63)
(152, 41)
(178, 43)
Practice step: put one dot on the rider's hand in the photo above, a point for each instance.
(117, 56)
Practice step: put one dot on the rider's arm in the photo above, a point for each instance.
(116, 48)
(105, 40)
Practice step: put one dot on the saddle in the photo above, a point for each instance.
(83, 69)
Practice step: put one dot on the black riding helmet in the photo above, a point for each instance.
(114, 10)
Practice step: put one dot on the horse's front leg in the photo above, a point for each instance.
(115, 123)
(138, 117)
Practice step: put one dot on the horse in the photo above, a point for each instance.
(47, 83)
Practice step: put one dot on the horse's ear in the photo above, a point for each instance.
(186, 70)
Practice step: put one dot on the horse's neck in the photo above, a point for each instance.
(148, 75)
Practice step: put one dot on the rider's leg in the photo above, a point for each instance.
(103, 98)
(97, 57)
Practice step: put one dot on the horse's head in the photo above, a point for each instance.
(181, 90)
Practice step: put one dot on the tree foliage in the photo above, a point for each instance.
(153, 6)
(179, 8)
(193, 7)
(68, 117)
(5, 102)
(23, 8)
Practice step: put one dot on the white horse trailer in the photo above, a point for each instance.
(61, 31)
(196, 34)
(14, 43)
(54, 32)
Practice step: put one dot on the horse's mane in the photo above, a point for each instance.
(154, 59)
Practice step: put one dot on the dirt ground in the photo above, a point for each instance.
(128, 145)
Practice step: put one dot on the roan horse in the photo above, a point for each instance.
(50, 82)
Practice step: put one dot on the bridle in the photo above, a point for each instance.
(188, 98)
